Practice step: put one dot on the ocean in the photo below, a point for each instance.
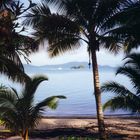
(77, 86)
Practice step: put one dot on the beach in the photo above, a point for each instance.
(118, 128)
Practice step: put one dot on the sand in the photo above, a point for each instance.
(128, 128)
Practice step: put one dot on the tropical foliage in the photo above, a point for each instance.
(127, 25)
(91, 21)
(14, 72)
(19, 112)
(12, 43)
(127, 99)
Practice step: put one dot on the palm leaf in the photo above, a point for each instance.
(115, 88)
(133, 60)
(8, 95)
(132, 74)
(124, 98)
(37, 111)
(122, 17)
(62, 35)
(10, 69)
(110, 43)
(126, 103)
(32, 85)
(50, 102)
(36, 14)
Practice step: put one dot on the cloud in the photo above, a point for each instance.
(80, 55)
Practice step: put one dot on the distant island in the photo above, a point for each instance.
(78, 67)
(65, 66)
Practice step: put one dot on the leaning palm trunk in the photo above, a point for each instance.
(25, 135)
(100, 116)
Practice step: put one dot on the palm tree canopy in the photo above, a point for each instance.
(18, 111)
(124, 98)
(14, 72)
(13, 44)
(76, 20)
(128, 25)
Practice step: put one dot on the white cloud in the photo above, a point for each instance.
(80, 55)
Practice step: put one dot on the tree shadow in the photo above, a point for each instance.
(60, 132)
(64, 133)
(74, 132)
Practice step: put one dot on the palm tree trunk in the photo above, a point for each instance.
(25, 135)
(100, 116)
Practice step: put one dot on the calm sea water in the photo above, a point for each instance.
(77, 86)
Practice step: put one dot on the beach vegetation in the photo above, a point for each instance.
(128, 26)
(125, 98)
(14, 43)
(18, 112)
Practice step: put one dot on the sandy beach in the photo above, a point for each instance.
(125, 128)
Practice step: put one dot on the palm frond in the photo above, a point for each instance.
(126, 103)
(115, 88)
(8, 95)
(24, 44)
(63, 45)
(57, 3)
(128, 35)
(133, 60)
(116, 103)
(9, 68)
(133, 76)
(11, 120)
(38, 109)
(36, 14)
(6, 3)
(32, 85)
(50, 102)
(121, 17)
(110, 43)
(124, 98)
(62, 35)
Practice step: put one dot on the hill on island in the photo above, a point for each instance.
(65, 66)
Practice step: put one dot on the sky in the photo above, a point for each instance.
(80, 55)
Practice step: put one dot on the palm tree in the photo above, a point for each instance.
(127, 25)
(78, 20)
(12, 43)
(10, 69)
(19, 112)
(125, 98)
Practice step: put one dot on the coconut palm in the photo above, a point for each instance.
(10, 69)
(12, 43)
(127, 99)
(78, 20)
(128, 25)
(19, 112)
(4, 3)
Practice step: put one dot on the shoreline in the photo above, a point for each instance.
(127, 116)
(53, 128)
